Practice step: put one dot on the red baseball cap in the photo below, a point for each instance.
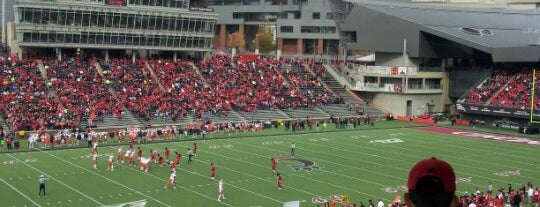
(436, 168)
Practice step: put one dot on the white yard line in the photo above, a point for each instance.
(303, 177)
(249, 191)
(164, 180)
(15, 189)
(43, 173)
(260, 178)
(106, 178)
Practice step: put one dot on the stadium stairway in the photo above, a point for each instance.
(350, 98)
(263, 115)
(110, 121)
(161, 120)
(232, 116)
(43, 71)
(3, 124)
(338, 110)
(153, 74)
(315, 113)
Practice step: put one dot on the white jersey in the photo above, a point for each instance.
(220, 186)
(120, 150)
(110, 158)
(173, 176)
(95, 145)
(128, 153)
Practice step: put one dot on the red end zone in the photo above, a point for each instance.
(480, 135)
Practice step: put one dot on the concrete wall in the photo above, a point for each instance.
(394, 59)
(397, 103)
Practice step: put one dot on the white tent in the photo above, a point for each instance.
(367, 58)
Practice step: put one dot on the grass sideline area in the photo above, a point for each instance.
(363, 163)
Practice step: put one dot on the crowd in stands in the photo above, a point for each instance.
(517, 92)
(25, 102)
(510, 88)
(489, 87)
(82, 89)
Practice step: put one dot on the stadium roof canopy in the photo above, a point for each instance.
(508, 35)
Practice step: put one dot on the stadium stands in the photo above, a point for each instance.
(79, 91)
(509, 88)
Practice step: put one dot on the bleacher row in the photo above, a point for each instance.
(78, 91)
(508, 87)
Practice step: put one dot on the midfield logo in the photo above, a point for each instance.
(305, 165)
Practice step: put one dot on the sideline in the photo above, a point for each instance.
(15, 189)
(41, 172)
(106, 178)
(160, 179)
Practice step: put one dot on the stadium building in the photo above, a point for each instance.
(134, 27)
(432, 58)
(298, 26)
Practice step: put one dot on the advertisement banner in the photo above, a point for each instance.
(497, 111)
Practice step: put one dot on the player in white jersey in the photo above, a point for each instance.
(126, 156)
(143, 162)
(172, 181)
(119, 155)
(94, 148)
(111, 164)
(94, 160)
(221, 193)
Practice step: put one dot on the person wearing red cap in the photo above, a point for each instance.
(431, 183)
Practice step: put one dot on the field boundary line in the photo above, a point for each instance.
(18, 191)
(74, 189)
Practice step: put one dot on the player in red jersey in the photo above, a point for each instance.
(194, 148)
(274, 165)
(212, 171)
(160, 160)
(139, 152)
(536, 197)
(178, 157)
(173, 166)
(153, 156)
(167, 153)
(279, 181)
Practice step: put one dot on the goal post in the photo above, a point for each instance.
(532, 98)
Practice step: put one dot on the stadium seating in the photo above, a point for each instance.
(510, 88)
(82, 90)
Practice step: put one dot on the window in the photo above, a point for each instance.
(297, 15)
(287, 29)
(329, 15)
(316, 15)
(283, 15)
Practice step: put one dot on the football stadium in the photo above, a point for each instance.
(272, 103)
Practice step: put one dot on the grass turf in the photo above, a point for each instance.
(358, 163)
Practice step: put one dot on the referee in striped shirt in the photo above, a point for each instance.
(41, 181)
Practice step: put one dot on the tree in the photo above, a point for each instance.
(266, 40)
(235, 40)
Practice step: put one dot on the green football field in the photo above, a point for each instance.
(362, 164)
